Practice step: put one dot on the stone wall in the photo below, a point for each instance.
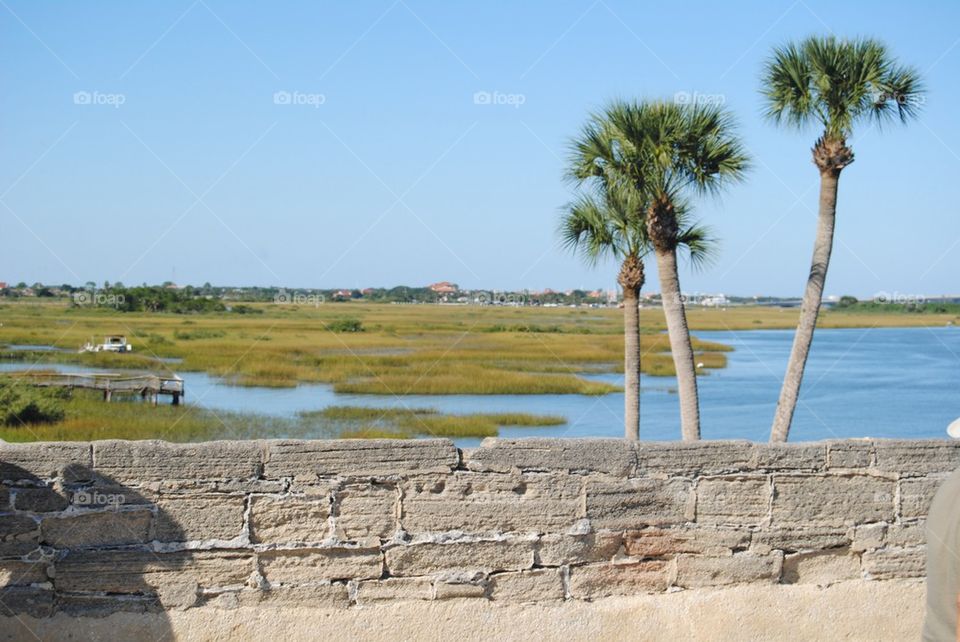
(90, 529)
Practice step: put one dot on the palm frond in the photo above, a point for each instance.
(838, 83)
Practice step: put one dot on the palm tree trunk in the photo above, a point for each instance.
(810, 308)
(631, 364)
(680, 345)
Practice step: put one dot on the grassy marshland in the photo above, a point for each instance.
(399, 349)
(83, 416)
(353, 421)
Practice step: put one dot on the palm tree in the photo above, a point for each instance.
(667, 152)
(611, 224)
(834, 84)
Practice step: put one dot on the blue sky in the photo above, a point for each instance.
(148, 141)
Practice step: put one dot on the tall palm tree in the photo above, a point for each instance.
(833, 84)
(667, 152)
(611, 224)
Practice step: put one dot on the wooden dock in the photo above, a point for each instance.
(148, 386)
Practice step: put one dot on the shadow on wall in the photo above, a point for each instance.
(82, 544)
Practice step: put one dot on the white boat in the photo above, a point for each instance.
(112, 343)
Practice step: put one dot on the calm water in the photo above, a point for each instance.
(890, 382)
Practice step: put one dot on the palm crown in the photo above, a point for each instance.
(612, 225)
(837, 83)
(662, 149)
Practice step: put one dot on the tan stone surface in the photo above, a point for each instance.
(734, 500)
(492, 503)
(289, 518)
(832, 500)
(854, 611)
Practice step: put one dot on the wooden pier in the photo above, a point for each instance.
(148, 386)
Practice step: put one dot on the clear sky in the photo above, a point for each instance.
(148, 141)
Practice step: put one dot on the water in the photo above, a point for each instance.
(19, 347)
(880, 382)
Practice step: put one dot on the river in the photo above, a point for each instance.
(877, 382)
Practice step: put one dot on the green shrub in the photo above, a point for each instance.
(21, 403)
(345, 325)
(199, 333)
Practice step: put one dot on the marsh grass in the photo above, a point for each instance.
(88, 418)
(356, 421)
(404, 349)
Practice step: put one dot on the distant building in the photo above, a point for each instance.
(715, 301)
(3, 285)
(444, 287)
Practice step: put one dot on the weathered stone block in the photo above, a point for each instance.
(894, 563)
(695, 571)
(611, 456)
(742, 500)
(102, 528)
(311, 565)
(103, 605)
(483, 556)
(492, 503)
(19, 534)
(851, 453)
(803, 538)
(143, 572)
(366, 510)
(39, 500)
(186, 518)
(634, 503)
(25, 600)
(832, 500)
(693, 458)
(41, 460)
(311, 596)
(358, 457)
(19, 573)
(138, 461)
(539, 585)
(664, 542)
(801, 457)
(918, 456)
(623, 578)
(822, 568)
(5, 499)
(445, 590)
(917, 494)
(558, 549)
(394, 588)
(289, 518)
(906, 535)
(867, 537)
(221, 486)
